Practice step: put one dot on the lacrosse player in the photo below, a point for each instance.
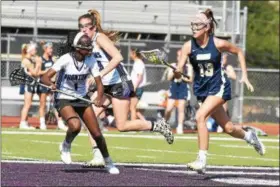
(211, 86)
(74, 68)
(178, 91)
(117, 83)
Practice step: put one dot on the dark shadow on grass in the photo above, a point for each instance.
(84, 170)
(220, 176)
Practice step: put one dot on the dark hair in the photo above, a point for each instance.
(137, 52)
(95, 18)
(66, 46)
(209, 14)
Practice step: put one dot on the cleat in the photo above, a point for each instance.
(164, 128)
(61, 125)
(111, 168)
(179, 130)
(256, 142)
(26, 126)
(198, 165)
(43, 126)
(65, 154)
(97, 161)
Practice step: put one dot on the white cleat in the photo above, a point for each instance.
(164, 128)
(256, 143)
(26, 126)
(179, 130)
(43, 126)
(97, 161)
(112, 169)
(198, 165)
(61, 125)
(65, 154)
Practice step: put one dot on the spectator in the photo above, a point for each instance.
(32, 64)
(178, 92)
(138, 76)
(47, 62)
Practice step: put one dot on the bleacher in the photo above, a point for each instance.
(125, 16)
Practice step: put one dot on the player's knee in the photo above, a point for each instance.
(229, 128)
(200, 118)
(75, 125)
(121, 128)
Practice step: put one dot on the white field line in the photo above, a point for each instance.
(155, 136)
(245, 147)
(142, 165)
(144, 156)
(47, 142)
(251, 182)
(212, 172)
(193, 153)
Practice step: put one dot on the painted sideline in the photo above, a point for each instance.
(132, 136)
(141, 164)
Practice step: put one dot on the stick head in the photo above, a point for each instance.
(155, 56)
(19, 76)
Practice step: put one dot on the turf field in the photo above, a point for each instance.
(138, 148)
(31, 158)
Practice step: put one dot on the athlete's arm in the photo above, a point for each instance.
(30, 68)
(186, 50)
(190, 74)
(225, 46)
(230, 72)
(100, 91)
(105, 43)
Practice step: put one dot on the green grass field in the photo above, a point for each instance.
(129, 147)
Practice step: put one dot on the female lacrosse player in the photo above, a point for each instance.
(138, 76)
(47, 62)
(211, 86)
(32, 64)
(178, 92)
(117, 84)
(73, 68)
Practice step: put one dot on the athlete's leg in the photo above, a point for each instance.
(74, 126)
(121, 109)
(181, 115)
(28, 96)
(91, 123)
(42, 110)
(133, 104)
(207, 107)
(237, 131)
(169, 107)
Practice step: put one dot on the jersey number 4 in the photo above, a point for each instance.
(99, 63)
(206, 69)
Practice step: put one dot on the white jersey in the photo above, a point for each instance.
(138, 68)
(103, 60)
(72, 75)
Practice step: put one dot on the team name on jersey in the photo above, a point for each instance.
(203, 56)
(75, 77)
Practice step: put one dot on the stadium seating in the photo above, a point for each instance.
(127, 16)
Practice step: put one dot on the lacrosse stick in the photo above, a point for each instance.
(19, 76)
(157, 56)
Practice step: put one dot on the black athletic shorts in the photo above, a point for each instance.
(78, 105)
(121, 90)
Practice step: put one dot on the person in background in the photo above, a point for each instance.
(139, 79)
(47, 62)
(32, 65)
(178, 93)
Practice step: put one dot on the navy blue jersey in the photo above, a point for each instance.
(46, 64)
(210, 78)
